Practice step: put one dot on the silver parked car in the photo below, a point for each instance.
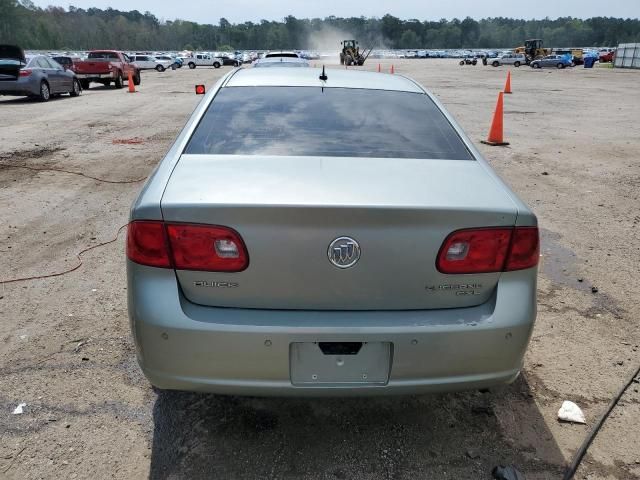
(149, 62)
(341, 235)
(35, 76)
(515, 59)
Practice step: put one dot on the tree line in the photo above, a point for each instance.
(55, 28)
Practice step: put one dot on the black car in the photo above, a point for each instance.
(230, 61)
(65, 61)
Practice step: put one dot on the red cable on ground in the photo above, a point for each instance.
(73, 269)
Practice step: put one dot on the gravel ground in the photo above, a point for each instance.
(66, 352)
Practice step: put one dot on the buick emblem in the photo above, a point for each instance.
(344, 252)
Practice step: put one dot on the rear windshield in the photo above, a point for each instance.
(281, 64)
(332, 122)
(284, 55)
(103, 56)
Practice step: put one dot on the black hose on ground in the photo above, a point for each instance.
(580, 453)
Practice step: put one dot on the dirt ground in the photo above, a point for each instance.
(66, 352)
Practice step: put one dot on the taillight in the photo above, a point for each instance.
(186, 246)
(486, 250)
(525, 249)
(147, 244)
(25, 72)
(207, 247)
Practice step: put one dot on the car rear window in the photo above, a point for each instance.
(103, 56)
(333, 122)
(283, 55)
(280, 64)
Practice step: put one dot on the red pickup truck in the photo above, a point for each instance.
(106, 66)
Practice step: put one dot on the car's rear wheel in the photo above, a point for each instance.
(536, 65)
(495, 64)
(516, 64)
(136, 78)
(216, 65)
(560, 65)
(461, 62)
(192, 65)
(160, 68)
(76, 88)
(85, 84)
(119, 83)
(45, 92)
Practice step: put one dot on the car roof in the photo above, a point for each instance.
(309, 77)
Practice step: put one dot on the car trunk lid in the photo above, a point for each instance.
(288, 210)
(12, 59)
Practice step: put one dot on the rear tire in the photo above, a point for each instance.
(560, 65)
(461, 62)
(119, 82)
(160, 68)
(536, 65)
(76, 89)
(136, 78)
(192, 65)
(215, 65)
(45, 92)
(516, 64)
(495, 64)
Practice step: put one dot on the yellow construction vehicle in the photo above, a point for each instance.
(533, 49)
(351, 55)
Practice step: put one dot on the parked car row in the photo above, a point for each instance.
(35, 76)
(42, 76)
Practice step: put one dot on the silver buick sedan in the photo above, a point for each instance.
(333, 233)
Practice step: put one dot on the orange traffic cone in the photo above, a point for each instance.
(132, 87)
(507, 86)
(392, 70)
(379, 68)
(496, 131)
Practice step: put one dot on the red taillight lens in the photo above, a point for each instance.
(147, 244)
(186, 246)
(200, 89)
(25, 72)
(207, 247)
(486, 250)
(525, 249)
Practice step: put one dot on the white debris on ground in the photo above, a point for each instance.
(19, 409)
(570, 412)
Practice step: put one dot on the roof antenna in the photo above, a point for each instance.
(323, 76)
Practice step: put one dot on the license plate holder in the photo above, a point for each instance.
(310, 366)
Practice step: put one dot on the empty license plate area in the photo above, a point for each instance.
(339, 363)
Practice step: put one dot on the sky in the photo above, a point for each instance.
(238, 11)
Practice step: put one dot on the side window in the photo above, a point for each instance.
(199, 57)
(53, 64)
(143, 58)
(126, 58)
(41, 62)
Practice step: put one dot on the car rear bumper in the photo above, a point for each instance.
(94, 76)
(184, 346)
(19, 88)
